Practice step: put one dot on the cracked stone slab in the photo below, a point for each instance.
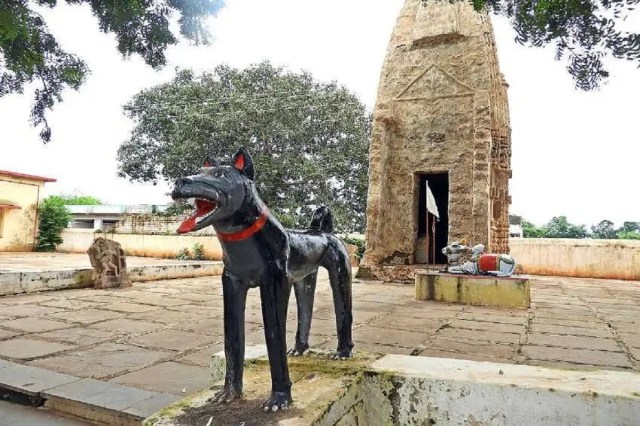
(169, 377)
(86, 316)
(201, 358)
(127, 326)
(30, 380)
(5, 334)
(177, 340)
(168, 317)
(22, 348)
(127, 307)
(34, 325)
(26, 310)
(578, 356)
(105, 402)
(107, 359)
(152, 405)
(78, 335)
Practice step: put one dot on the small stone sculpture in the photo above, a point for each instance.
(457, 253)
(462, 260)
(109, 264)
(259, 252)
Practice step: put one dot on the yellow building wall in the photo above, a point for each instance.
(18, 227)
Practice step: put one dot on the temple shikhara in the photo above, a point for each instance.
(441, 136)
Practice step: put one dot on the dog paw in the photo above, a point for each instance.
(299, 350)
(277, 401)
(341, 354)
(225, 395)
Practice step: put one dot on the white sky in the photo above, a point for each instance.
(574, 153)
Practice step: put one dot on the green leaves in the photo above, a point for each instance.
(30, 54)
(309, 140)
(560, 227)
(75, 200)
(54, 217)
(584, 32)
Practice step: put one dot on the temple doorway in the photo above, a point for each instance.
(433, 233)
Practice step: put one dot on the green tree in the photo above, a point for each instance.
(584, 32)
(30, 54)
(629, 235)
(559, 227)
(54, 217)
(604, 230)
(77, 200)
(630, 227)
(529, 230)
(309, 139)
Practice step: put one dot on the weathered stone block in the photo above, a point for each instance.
(473, 290)
(251, 353)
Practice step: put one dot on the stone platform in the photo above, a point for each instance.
(397, 389)
(480, 290)
(318, 381)
(34, 272)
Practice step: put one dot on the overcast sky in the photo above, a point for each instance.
(574, 153)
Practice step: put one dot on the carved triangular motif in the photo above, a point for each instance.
(432, 83)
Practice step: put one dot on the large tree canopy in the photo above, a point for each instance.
(584, 32)
(309, 139)
(30, 54)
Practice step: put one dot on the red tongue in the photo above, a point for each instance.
(202, 208)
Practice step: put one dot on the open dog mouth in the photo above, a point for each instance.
(204, 209)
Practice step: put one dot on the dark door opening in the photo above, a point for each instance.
(439, 185)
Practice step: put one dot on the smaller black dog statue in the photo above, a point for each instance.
(259, 252)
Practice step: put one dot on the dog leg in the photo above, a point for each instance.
(274, 295)
(337, 263)
(305, 292)
(235, 297)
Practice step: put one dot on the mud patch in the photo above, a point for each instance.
(235, 413)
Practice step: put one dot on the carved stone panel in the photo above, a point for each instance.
(434, 83)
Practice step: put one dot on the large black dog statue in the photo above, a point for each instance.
(259, 252)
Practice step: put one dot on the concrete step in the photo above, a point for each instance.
(92, 400)
(17, 282)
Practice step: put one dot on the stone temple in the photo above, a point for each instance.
(441, 118)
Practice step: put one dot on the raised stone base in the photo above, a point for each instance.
(217, 366)
(394, 273)
(318, 382)
(512, 292)
(414, 390)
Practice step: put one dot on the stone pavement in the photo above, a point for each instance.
(159, 335)
(32, 261)
(18, 415)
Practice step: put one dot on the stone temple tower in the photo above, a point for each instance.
(442, 120)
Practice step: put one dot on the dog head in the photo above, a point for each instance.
(217, 192)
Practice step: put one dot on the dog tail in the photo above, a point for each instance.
(322, 220)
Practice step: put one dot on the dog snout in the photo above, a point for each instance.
(183, 181)
(177, 193)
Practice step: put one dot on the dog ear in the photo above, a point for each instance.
(242, 161)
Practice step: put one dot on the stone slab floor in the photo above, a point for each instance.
(18, 415)
(159, 335)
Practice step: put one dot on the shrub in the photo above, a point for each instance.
(357, 242)
(185, 254)
(54, 217)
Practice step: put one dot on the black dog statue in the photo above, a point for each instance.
(259, 252)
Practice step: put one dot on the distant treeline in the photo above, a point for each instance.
(560, 227)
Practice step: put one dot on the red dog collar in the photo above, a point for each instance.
(245, 233)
